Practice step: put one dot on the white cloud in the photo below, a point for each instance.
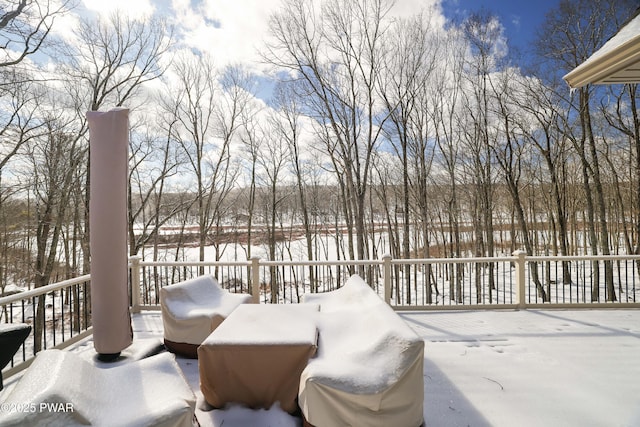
(134, 8)
(406, 8)
(233, 31)
(229, 30)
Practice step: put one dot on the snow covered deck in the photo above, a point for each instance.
(492, 368)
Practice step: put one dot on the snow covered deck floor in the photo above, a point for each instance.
(495, 368)
(531, 368)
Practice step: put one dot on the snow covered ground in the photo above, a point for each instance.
(493, 368)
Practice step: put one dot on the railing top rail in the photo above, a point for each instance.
(322, 263)
(453, 260)
(266, 262)
(195, 263)
(262, 263)
(44, 289)
(582, 258)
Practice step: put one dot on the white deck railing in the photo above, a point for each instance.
(59, 315)
(517, 281)
(406, 284)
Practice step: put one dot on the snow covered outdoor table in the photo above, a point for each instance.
(256, 355)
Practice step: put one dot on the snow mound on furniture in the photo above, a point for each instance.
(369, 366)
(192, 309)
(60, 388)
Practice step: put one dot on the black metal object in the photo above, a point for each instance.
(12, 335)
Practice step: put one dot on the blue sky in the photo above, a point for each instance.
(520, 18)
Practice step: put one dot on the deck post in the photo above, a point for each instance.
(135, 283)
(520, 278)
(255, 278)
(386, 262)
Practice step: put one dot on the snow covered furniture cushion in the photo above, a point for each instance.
(62, 389)
(192, 309)
(368, 369)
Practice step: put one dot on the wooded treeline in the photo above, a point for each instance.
(431, 134)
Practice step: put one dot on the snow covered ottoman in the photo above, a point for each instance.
(368, 370)
(62, 389)
(192, 309)
(256, 356)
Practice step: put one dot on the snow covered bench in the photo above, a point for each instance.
(192, 309)
(368, 369)
(62, 389)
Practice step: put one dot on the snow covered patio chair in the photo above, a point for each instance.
(62, 389)
(192, 309)
(368, 370)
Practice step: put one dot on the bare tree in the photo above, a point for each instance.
(206, 119)
(391, 199)
(625, 118)
(544, 130)
(108, 65)
(113, 58)
(54, 163)
(20, 125)
(336, 53)
(411, 59)
(484, 34)
(572, 32)
(25, 26)
(251, 136)
(288, 127)
(19, 119)
(236, 83)
(189, 110)
(509, 151)
(272, 160)
(153, 161)
(447, 97)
